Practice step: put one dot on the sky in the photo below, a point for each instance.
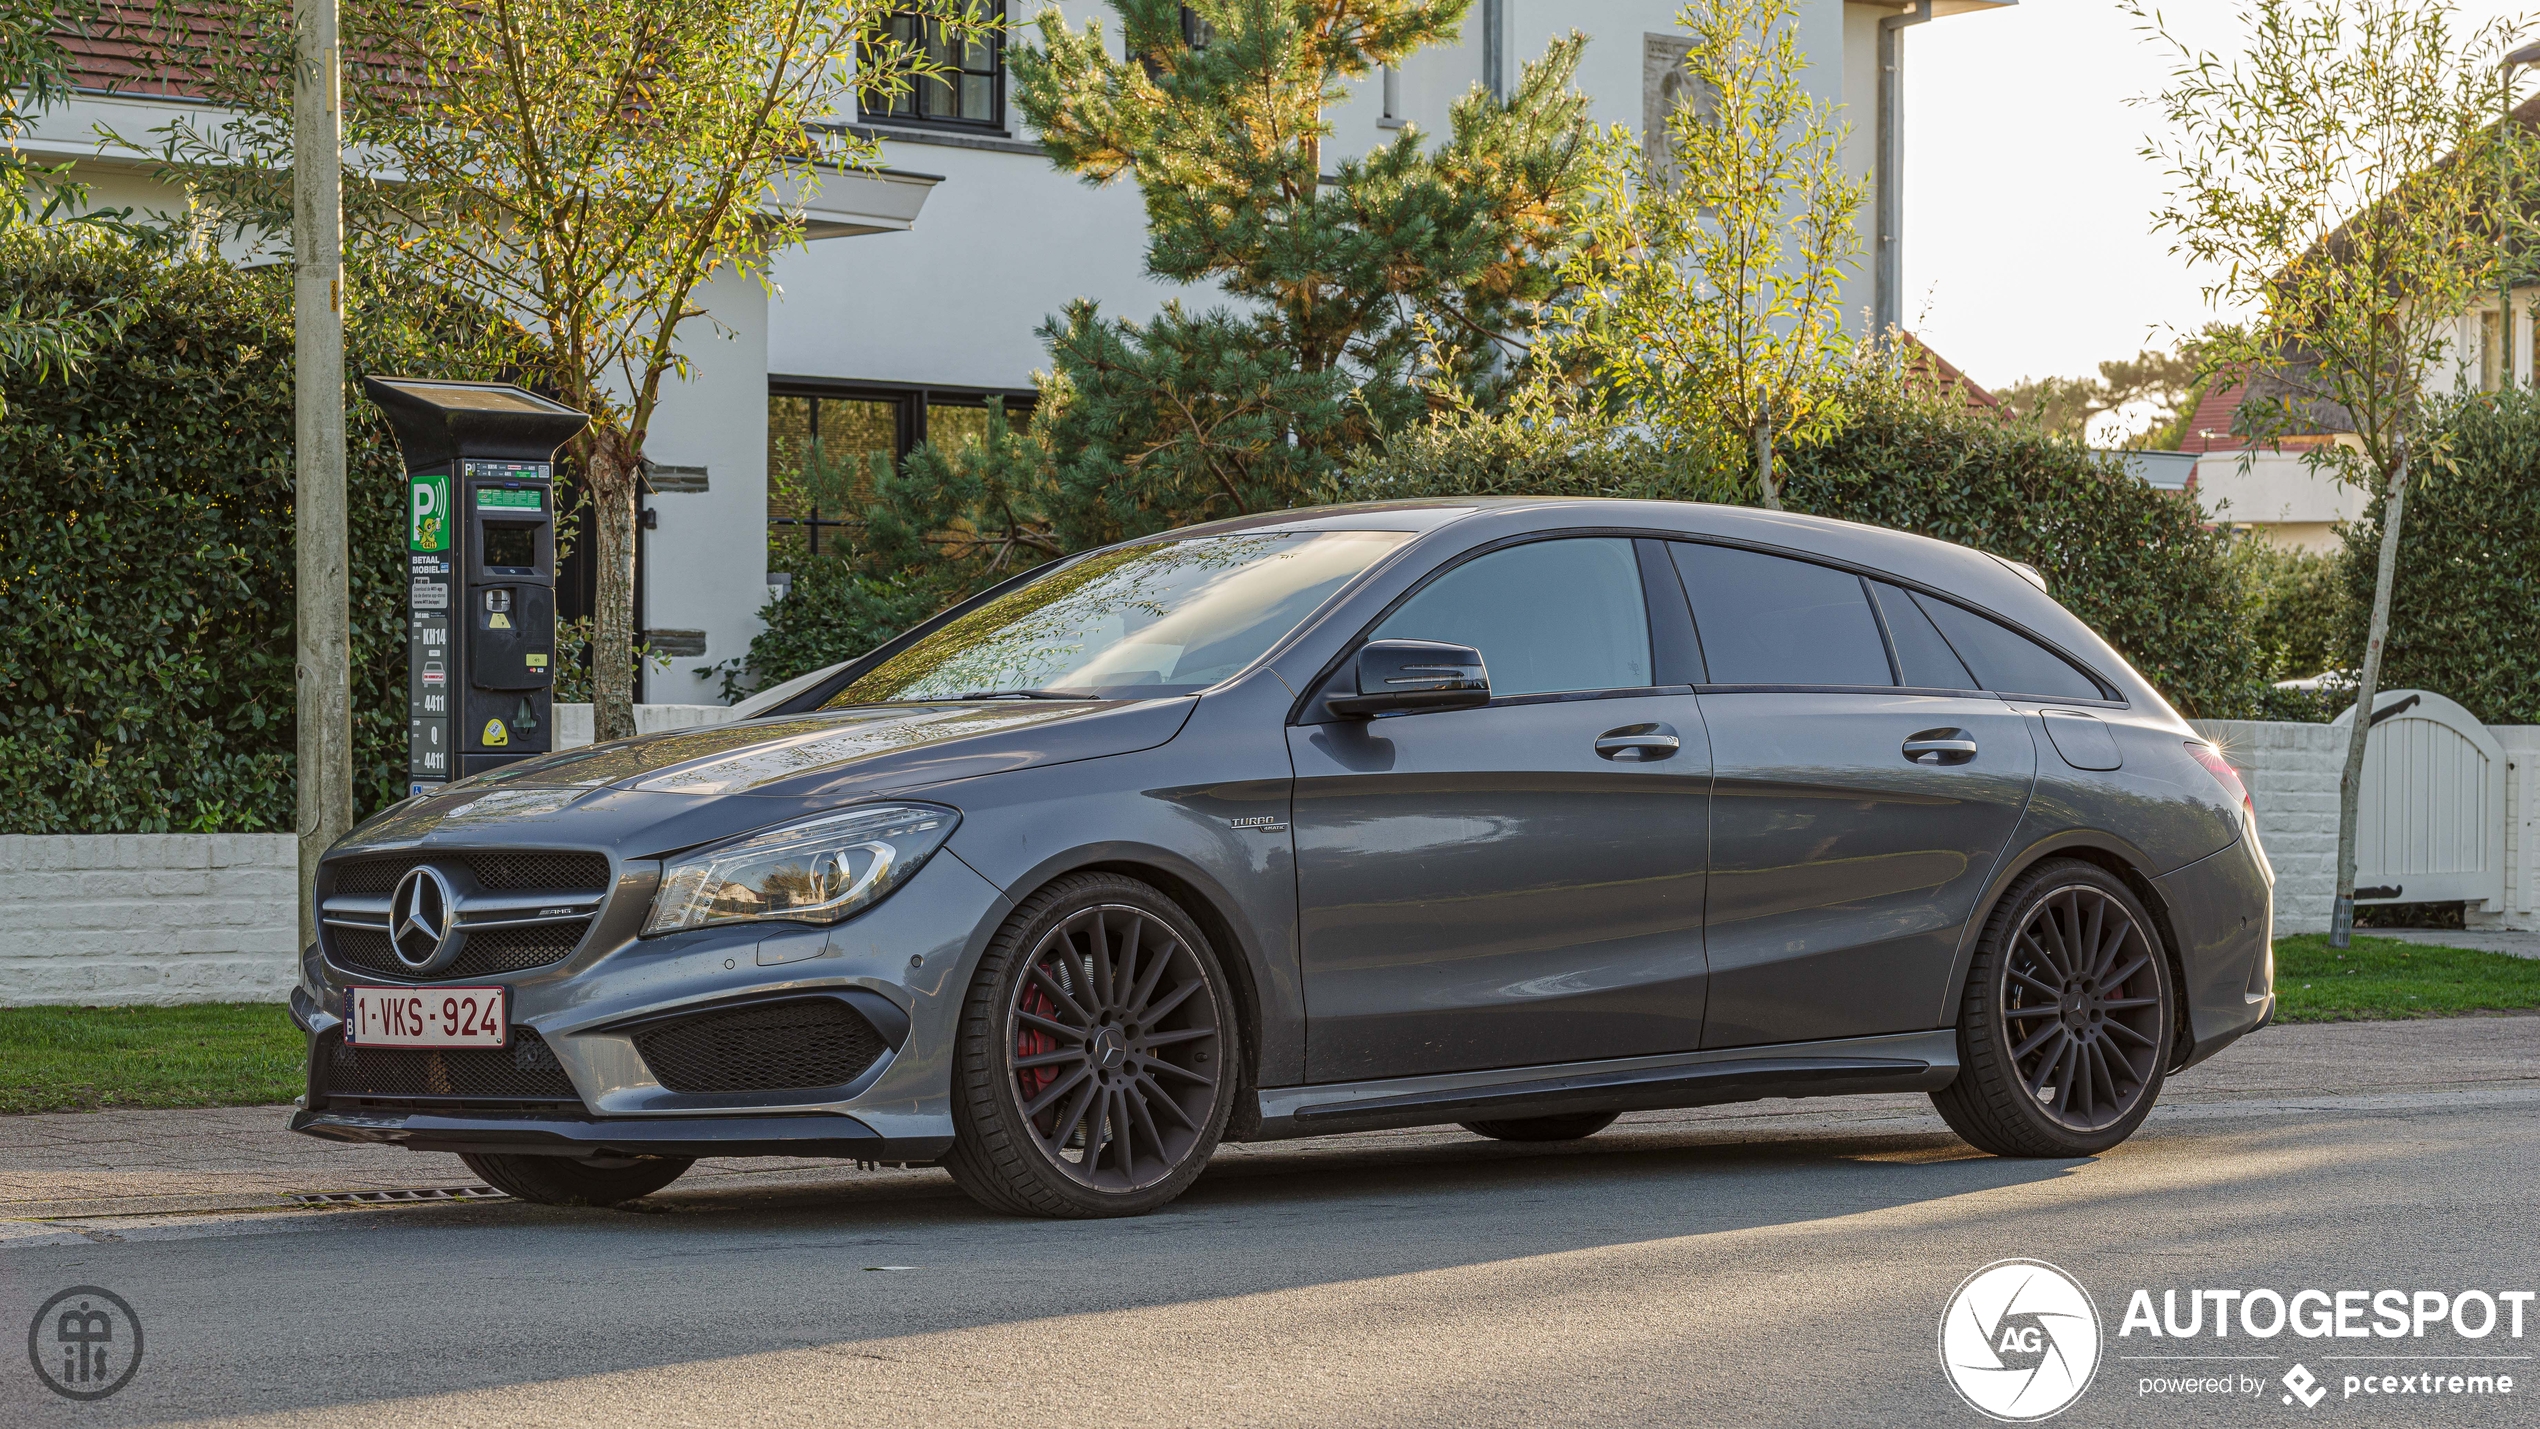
(2028, 242)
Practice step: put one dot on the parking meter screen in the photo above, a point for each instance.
(511, 546)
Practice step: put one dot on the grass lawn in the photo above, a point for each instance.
(92, 1058)
(2384, 978)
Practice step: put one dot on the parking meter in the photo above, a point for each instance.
(481, 557)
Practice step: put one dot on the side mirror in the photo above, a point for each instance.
(1398, 676)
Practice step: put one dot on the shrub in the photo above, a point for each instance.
(2468, 582)
(146, 559)
(2297, 609)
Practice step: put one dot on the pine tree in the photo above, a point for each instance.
(1360, 288)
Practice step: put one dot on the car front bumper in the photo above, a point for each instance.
(912, 954)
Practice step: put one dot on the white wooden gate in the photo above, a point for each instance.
(2432, 825)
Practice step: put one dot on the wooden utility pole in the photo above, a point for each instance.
(317, 309)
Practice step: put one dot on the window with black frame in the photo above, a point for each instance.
(967, 88)
(823, 439)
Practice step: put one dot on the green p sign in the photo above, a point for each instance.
(428, 512)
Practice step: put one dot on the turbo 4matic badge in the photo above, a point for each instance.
(428, 507)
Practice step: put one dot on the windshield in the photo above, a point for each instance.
(1171, 618)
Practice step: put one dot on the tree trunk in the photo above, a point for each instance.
(1765, 476)
(612, 473)
(2350, 785)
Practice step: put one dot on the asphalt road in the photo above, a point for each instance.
(1777, 1263)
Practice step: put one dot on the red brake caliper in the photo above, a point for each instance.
(1030, 1041)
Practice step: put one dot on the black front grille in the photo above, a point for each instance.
(763, 1047)
(501, 872)
(496, 950)
(525, 1071)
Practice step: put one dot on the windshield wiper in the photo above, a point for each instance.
(1019, 695)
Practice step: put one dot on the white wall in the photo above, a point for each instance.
(705, 564)
(2292, 772)
(2279, 492)
(112, 919)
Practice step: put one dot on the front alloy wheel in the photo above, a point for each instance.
(2064, 1033)
(1097, 1071)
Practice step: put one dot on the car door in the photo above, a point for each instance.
(1519, 883)
(1863, 790)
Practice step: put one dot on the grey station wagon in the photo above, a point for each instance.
(1514, 814)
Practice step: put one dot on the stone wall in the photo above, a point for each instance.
(2291, 771)
(574, 722)
(106, 919)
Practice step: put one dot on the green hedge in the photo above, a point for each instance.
(146, 559)
(2466, 602)
(2137, 564)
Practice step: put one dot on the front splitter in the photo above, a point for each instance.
(544, 1133)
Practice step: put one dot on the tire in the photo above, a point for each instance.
(2065, 1027)
(1094, 1075)
(563, 1181)
(1576, 1127)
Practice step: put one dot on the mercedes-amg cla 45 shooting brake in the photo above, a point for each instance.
(1514, 814)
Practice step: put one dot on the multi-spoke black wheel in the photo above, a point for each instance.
(1097, 1066)
(2064, 1034)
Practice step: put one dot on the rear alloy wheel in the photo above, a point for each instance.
(2064, 1033)
(563, 1181)
(1575, 1127)
(1097, 1060)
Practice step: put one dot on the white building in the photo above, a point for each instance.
(917, 300)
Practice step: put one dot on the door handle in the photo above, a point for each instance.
(1940, 746)
(1643, 742)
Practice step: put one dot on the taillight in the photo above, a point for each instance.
(2224, 774)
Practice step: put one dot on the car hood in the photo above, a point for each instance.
(678, 789)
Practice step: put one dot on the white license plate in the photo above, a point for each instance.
(426, 1017)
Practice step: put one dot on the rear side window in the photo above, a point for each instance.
(1549, 617)
(2005, 661)
(1923, 658)
(1769, 620)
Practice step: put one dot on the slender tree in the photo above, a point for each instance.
(587, 164)
(1712, 285)
(2344, 178)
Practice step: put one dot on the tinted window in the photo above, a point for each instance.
(1922, 657)
(1548, 617)
(2005, 660)
(1766, 620)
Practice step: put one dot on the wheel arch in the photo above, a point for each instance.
(2108, 852)
(1206, 904)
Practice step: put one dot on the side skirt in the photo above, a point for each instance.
(1900, 1062)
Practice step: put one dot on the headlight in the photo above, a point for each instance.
(818, 871)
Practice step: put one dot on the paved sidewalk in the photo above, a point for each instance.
(78, 1166)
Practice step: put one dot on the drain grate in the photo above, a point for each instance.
(388, 1198)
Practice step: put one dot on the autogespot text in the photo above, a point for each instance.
(2418, 1344)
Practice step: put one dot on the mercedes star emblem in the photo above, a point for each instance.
(423, 921)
